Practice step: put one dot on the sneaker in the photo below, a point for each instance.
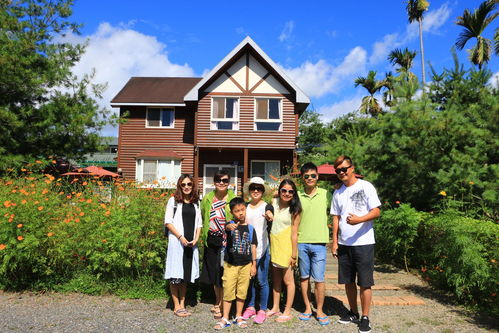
(261, 316)
(349, 317)
(249, 313)
(364, 326)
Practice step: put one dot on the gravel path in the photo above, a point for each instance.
(54, 312)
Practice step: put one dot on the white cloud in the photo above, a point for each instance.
(118, 53)
(287, 31)
(432, 21)
(494, 80)
(320, 78)
(338, 109)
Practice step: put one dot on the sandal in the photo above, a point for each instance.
(240, 322)
(217, 314)
(273, 313)
(182, 313)
(283, 318)
(323, 320)
(305, 316)
(223, 323)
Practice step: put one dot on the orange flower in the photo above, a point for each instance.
(102, 223)
(40, 208)
(424, 269)
(13, 204)
(23, 169)
(151, 232)
(20, 238)
(47, 181)
(84, 183)
(45, 191)
(103, 206)
(104, 241)
(50, 234)
(7, 203)
(77, 220)
(20, 225)
(493, 261)
(107, 213)
(23, 201)
(82, 213)
(68, 196)
(38, 162)
(37, 202)
(2, 247)
(89, 200)
(78, 194)
(397, 202)
(54, 161)
(14, 191)
(67, 220)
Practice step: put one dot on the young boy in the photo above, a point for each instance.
(240, 263)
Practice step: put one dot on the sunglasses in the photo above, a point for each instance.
(186, 184)
(223, 180)
(313, 176)
(339, 170)
(284, 191)
(256, 188)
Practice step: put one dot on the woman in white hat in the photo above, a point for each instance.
(257, 214)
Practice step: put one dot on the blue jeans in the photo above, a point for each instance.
(312, 261)
(262, 276)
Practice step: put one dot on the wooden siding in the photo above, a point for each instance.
(134, 138)
(246, 136)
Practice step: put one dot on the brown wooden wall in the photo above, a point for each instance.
(246, 136)
(134, 138)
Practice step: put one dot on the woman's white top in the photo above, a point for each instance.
(174, 255)
(254, 216)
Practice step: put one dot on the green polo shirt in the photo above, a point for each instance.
(313, 223)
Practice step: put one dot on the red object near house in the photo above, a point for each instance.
(93, 171)
(242, 116)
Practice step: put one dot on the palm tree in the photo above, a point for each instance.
(415, 10)
(404, 59)
(474, 24)
(496, 41)
(369, 103)
(388, 97)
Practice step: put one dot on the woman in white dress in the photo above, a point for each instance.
(184, 223)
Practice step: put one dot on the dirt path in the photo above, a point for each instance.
(27, 312)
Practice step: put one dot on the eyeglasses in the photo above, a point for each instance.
(186, 184)
(339, 170)
(256, 188)
(223, 180)
(313, 176)
(284, 191)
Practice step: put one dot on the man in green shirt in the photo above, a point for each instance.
(313, 235)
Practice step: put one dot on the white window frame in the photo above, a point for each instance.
(265, 161)
(209, 180)
(280, 120)
(170, 108)
(160, 183)
(234, 120)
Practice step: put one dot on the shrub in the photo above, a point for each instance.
(53, 233)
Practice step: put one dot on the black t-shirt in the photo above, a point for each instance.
(238, 251)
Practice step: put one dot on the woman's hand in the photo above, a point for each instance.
(292, 262)
(269, 216)
(192, 243)
(183, 241)
(253, 269)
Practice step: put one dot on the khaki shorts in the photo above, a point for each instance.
(236, 281)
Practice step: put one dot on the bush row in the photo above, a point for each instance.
(453, 252)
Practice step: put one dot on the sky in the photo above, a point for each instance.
(322, 45)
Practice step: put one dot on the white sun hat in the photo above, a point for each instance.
(256, 180)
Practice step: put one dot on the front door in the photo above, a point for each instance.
(209, 172)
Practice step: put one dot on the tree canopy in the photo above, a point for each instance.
(44, 109)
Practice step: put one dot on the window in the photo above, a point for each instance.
(225, 113)
(158, 173)
(163, 117)
(268, 115)
(270, 171)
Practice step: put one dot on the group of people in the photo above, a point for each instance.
(244, 240)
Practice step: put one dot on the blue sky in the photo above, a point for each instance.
(323, 45)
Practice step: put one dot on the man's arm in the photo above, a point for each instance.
(354, 219)
(334, 241)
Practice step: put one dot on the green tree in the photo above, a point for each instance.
(312, 131)
(44, 109)
(473, 26)
(415, 10)
(403, 59)
(370, 104)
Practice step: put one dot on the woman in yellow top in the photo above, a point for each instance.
(284, 246)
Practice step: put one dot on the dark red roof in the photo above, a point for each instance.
(155, 90)
(326, 169)
(160, 153)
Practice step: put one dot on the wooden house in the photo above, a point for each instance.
(242, 116)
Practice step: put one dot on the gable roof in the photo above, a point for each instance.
(193, 94)
(154, 90)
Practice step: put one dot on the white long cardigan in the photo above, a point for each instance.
(174, 266)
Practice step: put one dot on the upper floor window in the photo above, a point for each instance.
(160, 117)
(224, 113)
(268, 114)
